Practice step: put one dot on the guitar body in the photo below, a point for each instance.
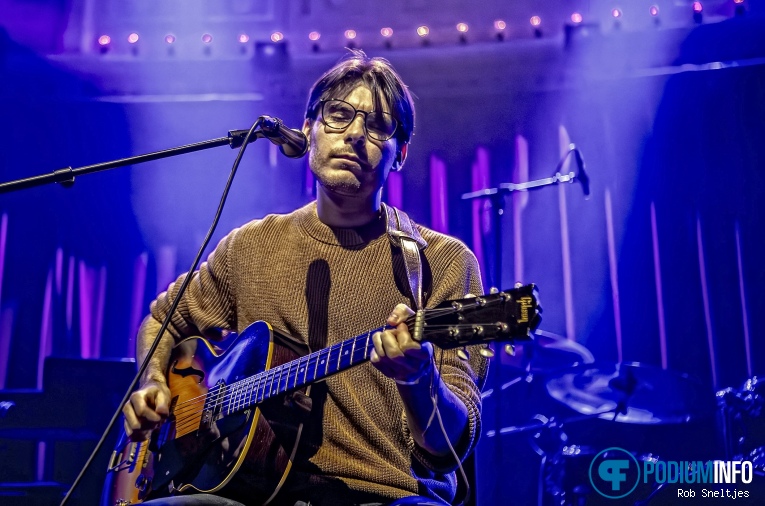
(207, 444)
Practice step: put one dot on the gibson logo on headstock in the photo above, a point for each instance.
(526, 304)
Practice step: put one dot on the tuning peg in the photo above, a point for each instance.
(518, 284)
(463, 354)
(486, 352)
(493, 290)
(510, 349)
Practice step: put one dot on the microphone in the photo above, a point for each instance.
(581, 174)
(292, 143)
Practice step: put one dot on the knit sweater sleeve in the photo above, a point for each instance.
(208, 306)
(464, 378)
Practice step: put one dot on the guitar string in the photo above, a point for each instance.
(243, 391)
(243, 388)
(431, 313)
(240, 388)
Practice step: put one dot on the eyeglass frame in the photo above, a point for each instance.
(366, 114)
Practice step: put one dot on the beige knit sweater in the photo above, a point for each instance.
(323, 285)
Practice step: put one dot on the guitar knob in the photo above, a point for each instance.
(486, 352)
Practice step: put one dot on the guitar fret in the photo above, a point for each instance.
(305, 369)
(326, 360)
(353, 348)
(366, 344)
(339, 356)
(287, 379)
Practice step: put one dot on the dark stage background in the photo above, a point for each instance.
(660, 266)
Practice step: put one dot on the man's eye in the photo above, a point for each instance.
(340, 115)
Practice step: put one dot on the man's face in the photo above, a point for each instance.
(347, 162)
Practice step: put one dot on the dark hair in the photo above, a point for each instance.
(379, 76)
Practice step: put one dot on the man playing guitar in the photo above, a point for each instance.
(327, 271)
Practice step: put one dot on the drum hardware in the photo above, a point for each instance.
(631, 392)
(736, 407)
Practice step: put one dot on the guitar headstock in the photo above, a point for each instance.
(509, 315)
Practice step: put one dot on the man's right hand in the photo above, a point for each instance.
(146, 409)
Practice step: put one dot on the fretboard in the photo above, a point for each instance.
(295, 374)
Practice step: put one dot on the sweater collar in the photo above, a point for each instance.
(309, 221)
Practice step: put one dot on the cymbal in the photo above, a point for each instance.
(548, 352)
(642, 394)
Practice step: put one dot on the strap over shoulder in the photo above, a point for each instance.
(399, 225)
(403, 233)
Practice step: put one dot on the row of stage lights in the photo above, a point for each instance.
(104, 41)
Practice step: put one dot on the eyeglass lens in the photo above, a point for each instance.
(339, 114)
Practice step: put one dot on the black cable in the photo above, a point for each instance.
(166, 322)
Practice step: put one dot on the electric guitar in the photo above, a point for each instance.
(236, 416)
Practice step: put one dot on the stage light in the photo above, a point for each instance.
(133, 38)
(654, 11)
(616, 13)
(103, 43)
(350, 36)
(170, 38)
(536, 22)
(243, 38)
(314, 37)
(387, 32)
(462, 28)
(423, 31)
(277, 37)
(698, 9)
(207, 38)
(576, 18)
(499, 27)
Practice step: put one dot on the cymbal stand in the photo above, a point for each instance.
(550, 443)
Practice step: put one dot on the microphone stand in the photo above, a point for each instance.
(66, 176)
(496, 197)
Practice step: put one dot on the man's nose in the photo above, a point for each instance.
(355, 131)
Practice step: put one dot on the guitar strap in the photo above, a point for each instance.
(403, 233)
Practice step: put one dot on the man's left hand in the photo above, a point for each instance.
(396, 354)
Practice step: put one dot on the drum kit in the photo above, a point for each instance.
(589, 406)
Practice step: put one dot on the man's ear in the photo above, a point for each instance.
(307, 130)
(398, 163)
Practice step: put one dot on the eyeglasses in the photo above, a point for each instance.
(338, 115)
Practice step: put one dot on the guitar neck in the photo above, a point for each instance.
(507, 315)
(303, 371)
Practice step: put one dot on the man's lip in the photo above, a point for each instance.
(350, 158)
